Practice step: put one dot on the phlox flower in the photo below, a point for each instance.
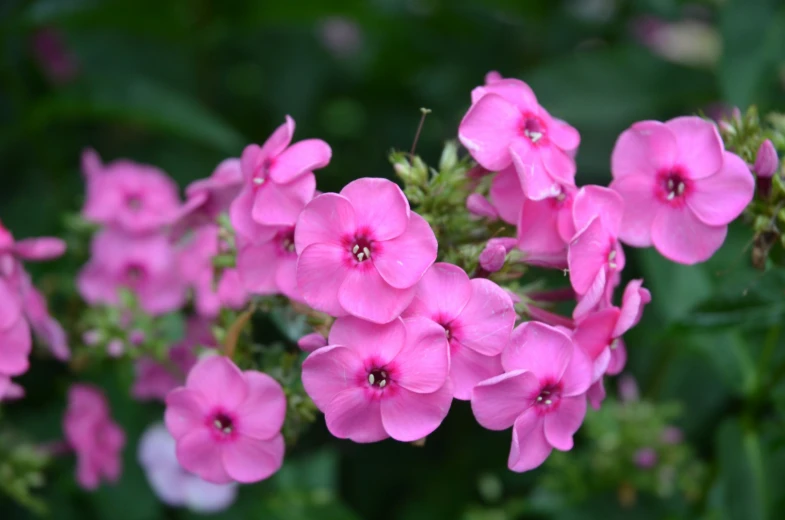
(477, 317)
(361, 251)
(95, 438)
(378, 381)
(507, 126)
(545, 228)
(270, 266)
(541, 394)
(15, 336)
(208, 198)
(227, 423)
(680, 187)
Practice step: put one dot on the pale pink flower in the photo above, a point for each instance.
(211, 293)
(766, 160)
(311, 342)
(477, 317)
(136, 198)
(595, 256)
(506, 125)
(174, 485)
(377, 381)
(277, 182)
(208, 198)
(145, 265)
(95, 438)
(541, 394)
(362, 251)
(680, 187)
(227, 423)
(270, 267)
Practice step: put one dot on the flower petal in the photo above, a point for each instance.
(487, 130)
(592, 201)
(326, 219)
(699, 144)
(640, 208)
(240, 215)
(250, 460)
(563, 135)
(588, 254)
(185, 411)
(539, 348)
(301, 157)
(468, 368)
(320, 273)
(329, 371)
(561, 424)
(257, 265)
(16, 344)
(403, 260)
(499, 401)
(485, 324)
(578, 375)
(279, 139)
(408, 416)
(529, 448)
(262, 413)
(594, 331)
(536, 182)
(720, 198)
(365, 294)
(355, 416)
(198, 453)
(632, 302)
(538, 227)
(681, 237)
(219, 381)
(380, 206)
(369, 340)
(560, 166)
(281, 204)
(441, 293)
(513, 90)
(424, 362)
(43, 248)
(507, 195)
(643, 150)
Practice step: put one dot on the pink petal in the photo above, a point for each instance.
(365, 294)
(563, 135)
(507, 195)
(644, 149)
(618, 358)
(423, 363)
(596, 394)
(538, 231)
(560, 166)
(594, 332)
(369, 340)
(198, 453)
(592, 201)
(10, 305)
(301, 157)
(219, 381)
(561, 424)
(44, 248)
(281, 204)
(681, 237)
(720, 198)
(541, 349)
(257, 265)
(16, 344)
(262, 413)
(403, 260)
(279, 140)
(441, 294)
(640, 209)
(352, 415)
(408, 416)
(529, 448)
(329, 371)
(468, 368)
(578, 375)
(250, 460)
(535, 180)
(240, 215)
(485, 324)
(326, 219)
(499, 401)
(593, 296)
(513, 90)
(91, 164)
(320, 274)
(632, 302)
(380, 206)
(286, 279)
(487, 130)
(185, 411)
(311, 342)
(587, 255)
(699, 144)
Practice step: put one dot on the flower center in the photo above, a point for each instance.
(286, 241)
(533, 127)
(612, 259)
(550, 395)
(223, 423)
(261, 173)
(361, 249)
(674, 185)
(134, 274)
(134, 202)
(378, 378)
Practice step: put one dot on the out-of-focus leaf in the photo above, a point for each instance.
(314, 471)
(291, 324)
(730, 356)
(741, 476)
(750, 311)
(48, 11)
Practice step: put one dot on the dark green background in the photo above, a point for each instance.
(183, 84)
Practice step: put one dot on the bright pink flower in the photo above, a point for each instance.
(541, 394)
(634, 299)
(595, 255)
(208, 198)
(479, 206)
(136, 198)
(362, 251)
(311, 342)
(15, 339)
(145, 265)
(196, 267)
(377, 381)
(492, 258)
(95, 438)
(766, 160)
(680, 187)
(278, 182)
(506, 125)
(477, 317)
(28, 249)
(545, 227)
(227, 423)
(506, 195)
(270, 267)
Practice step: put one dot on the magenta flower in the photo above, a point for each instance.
(506, 125)
(362, 251)
(278, 182)
(47, 329)
(595, 256)
(15, 338)
(541, 394)
(506, 195)
(227, 423)
(681, 189)
(377, 381)
(545, 228)
(208, 198)
(145, 265)
(270, 267)
(37, 249)
(766, 160)
(477, 317)
(95, 438)
(136, 198)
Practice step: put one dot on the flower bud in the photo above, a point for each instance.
(766, 161)
(481, 207)
(311, 342)
(492, 257)
(115, 348)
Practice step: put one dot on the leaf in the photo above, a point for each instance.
(742, 480)
(728, 353)
(750, 311)
(291, 324)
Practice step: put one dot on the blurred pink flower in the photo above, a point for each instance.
(270, 267)
(311, 342)
(479, 206)
(15, 338)
(208, 198)
(56, 60)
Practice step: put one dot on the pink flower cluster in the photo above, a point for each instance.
(23, 307)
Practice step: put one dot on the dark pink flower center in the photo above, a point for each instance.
(613, 256)
(134, 274)
(222, 425)
(133, 201)
(378, 377)
(533, 128)
(549, 397)
(673, 186)
(362, 248)
(286, 241)
(261, 173)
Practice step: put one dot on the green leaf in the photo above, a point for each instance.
(730, 356)
(291, 324)
(741, 479)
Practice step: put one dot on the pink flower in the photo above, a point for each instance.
(15, 338)
(311, 342)
(278, 182)
(208, 198)
(227, 423)
(95, 438)
(506, 195)
(766, 160)
(479, 206)
(492, 258)
(9, 390)
(541, 394)
(506, 125)
(595, 256)
(680, 188)
(477, 317)
(145, 265)
(36, 311)
(36, 249)
(377, 381)
(136, 198)
(362, 251)
(545, 227)
(270, 267)
(196, 267)
(174, 485)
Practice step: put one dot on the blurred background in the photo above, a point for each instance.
(694, 431)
